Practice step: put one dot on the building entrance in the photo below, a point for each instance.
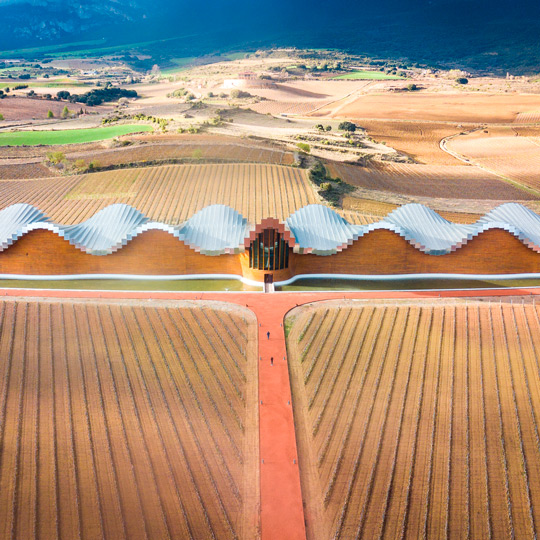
(269, 251)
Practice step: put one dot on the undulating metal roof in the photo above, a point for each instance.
(316, 229)
(15, 221)
(214, 230)
(319, 230)
(107, 231)
(426, 230)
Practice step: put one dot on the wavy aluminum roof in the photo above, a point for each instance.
(214, 230)
(317, 229)
(15, 221)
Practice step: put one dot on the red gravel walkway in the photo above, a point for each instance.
(282, 516)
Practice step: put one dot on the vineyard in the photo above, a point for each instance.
(121, 421)
(418, 420)
(170, 193)
(436, 181)
(511, 156)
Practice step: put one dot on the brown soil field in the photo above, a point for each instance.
(419, 140)
(19, 171)
(29, 152)
(416, 420)
(234, 152)
(512, 156)
(373, 210)
(170, 194)
(123, 421)
(436, 181)
(528, 118)
(437, 107)
(20, 108)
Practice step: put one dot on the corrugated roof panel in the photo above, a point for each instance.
(15, 220)
(215, 230)
(319, 230)
(106, 231)
(516, 219)
(427, 230)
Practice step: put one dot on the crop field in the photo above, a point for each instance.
(286, 107)
(461, 182)
(19, 171)
(23, 108)
(532, 117)
(419, 140)
(122, 421)
(367, 75)
(189, 150)
(436, 107)
(170, 194)
(418, 420)
(373, 210)
(514, 157)
(68, 136)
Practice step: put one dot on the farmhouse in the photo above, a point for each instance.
(314, 240)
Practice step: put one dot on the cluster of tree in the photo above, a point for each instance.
(98, 95)
(239, 94)
(347, 126)
(320, 127)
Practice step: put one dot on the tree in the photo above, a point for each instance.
(56, 157)
(412, 87)
(304, 147)
(320, 127)
(347, 126)
(65, 112)
(50, 114)
(1, 117)
(462, 80)
(63, 94)
(328, 128)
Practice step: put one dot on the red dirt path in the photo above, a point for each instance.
(282, 515)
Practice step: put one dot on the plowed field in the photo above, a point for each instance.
(105, 434)
(416, 139)
(193, 150)
(437, 181)
(471, 107)
(417, 420)
(514, 157)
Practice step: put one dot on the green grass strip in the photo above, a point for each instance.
(67, 136)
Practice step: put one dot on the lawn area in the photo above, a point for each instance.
(67, 136)
(131, 285)
(368, 75)
(179, 64)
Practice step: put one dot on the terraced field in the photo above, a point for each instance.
(170, 193)
(418, 420)
(108, 435)
(436, 181)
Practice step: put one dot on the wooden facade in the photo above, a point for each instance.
(380, 252)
